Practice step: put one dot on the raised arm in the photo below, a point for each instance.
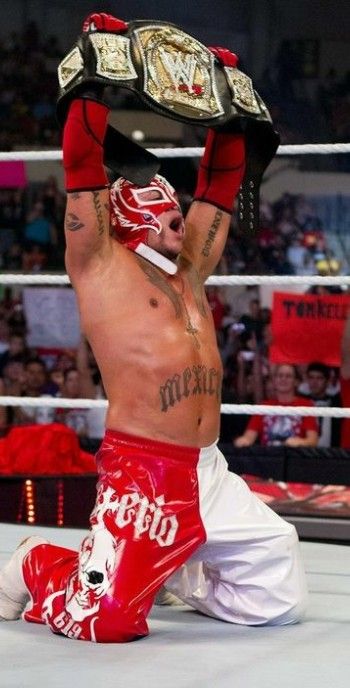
(87, 230)
(87, 211)
(220, 175)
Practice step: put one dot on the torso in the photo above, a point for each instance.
(155, 344)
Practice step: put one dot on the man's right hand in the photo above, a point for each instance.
(90, 86)
(100, 21)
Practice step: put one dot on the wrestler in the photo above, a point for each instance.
(167, 509)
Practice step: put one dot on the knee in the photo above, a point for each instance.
(294, 612)
(293, 588)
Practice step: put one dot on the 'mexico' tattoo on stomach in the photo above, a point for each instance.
(192, 381)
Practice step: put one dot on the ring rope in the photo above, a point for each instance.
(231, 409)
(218, 280)
(304, 149)
(186, 152)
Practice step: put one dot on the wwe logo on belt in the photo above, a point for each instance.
(178, 72)
(182, 69)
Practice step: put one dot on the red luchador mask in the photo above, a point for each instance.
(135, 211)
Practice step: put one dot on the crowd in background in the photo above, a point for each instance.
(27, 113)
(244, 338)
(291, 240)
(304, 107)
(39, 372)
(27, 110)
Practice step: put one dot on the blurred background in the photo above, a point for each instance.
(299, 58)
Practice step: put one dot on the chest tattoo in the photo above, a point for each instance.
(177, 298)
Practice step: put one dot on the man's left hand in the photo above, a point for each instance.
(224, 56)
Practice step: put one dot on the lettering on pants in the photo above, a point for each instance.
(137, 510)
(68, 627)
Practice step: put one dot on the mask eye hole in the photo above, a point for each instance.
(147, 217)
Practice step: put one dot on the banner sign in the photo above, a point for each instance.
(52, 317)
(308, 327)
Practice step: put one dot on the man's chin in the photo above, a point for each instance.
(170, 255)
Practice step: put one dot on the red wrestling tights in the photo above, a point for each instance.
(144, 526)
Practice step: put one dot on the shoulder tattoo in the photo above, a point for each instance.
(73, 223)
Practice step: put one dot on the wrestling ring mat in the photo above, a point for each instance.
(185, 649)
(188, 650)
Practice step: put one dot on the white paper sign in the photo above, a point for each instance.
(52, 317)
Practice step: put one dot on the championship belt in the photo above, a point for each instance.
(178, 77)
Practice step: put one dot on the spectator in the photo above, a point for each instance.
(74, 418)
(4, 335)
(317, 378)
(299, 257)
(252, 321)
(218, 308)
(39, 229)
(345, 382)
(13, 377)
(5, 418)
(291, 431)
(35, 378)
(17, 321)
(11, 217)
(12, 384)
(54, 385)
(249, 376)
(34, 258)
(16, 348)
(78, 383)
(53, 200)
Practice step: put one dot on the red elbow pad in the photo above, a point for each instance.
(83, 137)
(221, 169)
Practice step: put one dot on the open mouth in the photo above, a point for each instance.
(176, 224)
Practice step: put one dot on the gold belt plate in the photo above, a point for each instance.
(70, 67)
(242, 90)
(113, 59)
(178, 72)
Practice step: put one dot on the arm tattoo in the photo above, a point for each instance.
(161, 283)
(99, 214)
(73, 224)
(208, 244)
